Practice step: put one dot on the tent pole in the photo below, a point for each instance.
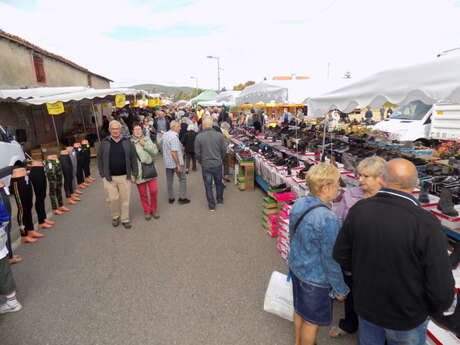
(55, 130)
(95, 121)
(82, 117)
(324, 136)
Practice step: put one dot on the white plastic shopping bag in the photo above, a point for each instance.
(278, 298)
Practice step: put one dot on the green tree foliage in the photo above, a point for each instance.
(240, 87)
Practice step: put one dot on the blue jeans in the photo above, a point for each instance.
(371, 334)
(210, 174)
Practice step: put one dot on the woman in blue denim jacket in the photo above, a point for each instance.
(316, 277)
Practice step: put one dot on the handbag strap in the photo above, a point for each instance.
(297, 223)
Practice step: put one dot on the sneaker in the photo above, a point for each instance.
(220, 202)
(156, 215)
(212, 210)
(6, 308)
(184, 201)
(126, 225)
(115, 222)
(172, 200)
(147, 216)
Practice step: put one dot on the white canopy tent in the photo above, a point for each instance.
(264, 92)
(225, 98)
(430, 82)
(15, 94)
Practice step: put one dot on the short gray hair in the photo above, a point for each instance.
(114, 122)
(372, 165)
(207, 122)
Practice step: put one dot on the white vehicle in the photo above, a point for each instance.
(419, 121)
(11, 154)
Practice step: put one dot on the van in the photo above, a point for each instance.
(417, 121)
(11, 154)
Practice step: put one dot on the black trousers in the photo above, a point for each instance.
(67, 171)
(21, 188)
(38, 178)
(6, 201)
(80, 165)
(350, 323)
(86, 161)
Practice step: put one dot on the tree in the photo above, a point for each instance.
(240, 87)
(223, 89)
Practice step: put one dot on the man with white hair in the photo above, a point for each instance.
(173, 157)
(117, 164)
(210, 152)
(397, 253)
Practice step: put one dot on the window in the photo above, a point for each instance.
(39, 69)
(89, 80)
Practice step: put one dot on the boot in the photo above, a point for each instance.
(64, 209)
(423, 197)
(35, 234)
(347, 161)
(28, 239)
(446, 204)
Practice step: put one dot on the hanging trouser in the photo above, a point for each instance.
(54, 175)
(21, 188)
(67, 171)
(38, 178)
(4, 196)
(73, 159)
(86, 160)
(80, 164)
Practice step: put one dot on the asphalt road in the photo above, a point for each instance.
(192, 277)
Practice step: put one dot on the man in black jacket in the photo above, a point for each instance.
(117, 164)
(397, 253)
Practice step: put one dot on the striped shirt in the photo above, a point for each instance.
(170, 142)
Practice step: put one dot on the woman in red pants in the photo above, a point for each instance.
(146, 185)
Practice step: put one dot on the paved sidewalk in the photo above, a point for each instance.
(192, 277)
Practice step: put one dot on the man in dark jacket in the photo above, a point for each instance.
(189, 148)
(397, 253)
(117, 164)
(210, 152)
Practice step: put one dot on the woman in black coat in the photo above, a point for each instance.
(189, 144)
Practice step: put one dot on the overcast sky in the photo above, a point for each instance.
(167, 41)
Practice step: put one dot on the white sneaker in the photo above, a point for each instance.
(6, 308)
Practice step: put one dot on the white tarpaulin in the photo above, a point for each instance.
(15, 94)
(86, 93)
(225, 98)
(263, 92)
(429, 82)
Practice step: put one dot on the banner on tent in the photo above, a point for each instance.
(55, 108)
(120, 101)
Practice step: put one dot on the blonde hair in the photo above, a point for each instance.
(321, 175)
(372, 165)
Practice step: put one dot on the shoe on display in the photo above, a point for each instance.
(423, 197)
(57, 212)
(147, 216)
(8, 308)
(445, 204)
(64, 209)
(45, 225)
(184, 201)
(50, 222)
(115, 222)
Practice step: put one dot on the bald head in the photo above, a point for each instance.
(207, 122)
(400, 174)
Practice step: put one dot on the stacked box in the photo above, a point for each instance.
(282, 242)
(270, 216)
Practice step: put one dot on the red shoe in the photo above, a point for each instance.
(64, 209)
(44, 226)
(50, 222)
(28, 239)
(35, 234)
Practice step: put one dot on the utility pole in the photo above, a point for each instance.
(218, 69)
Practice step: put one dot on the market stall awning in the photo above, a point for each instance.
(79, 95)
(263, 92)
(9, 95)
(430, 82)
(206, 95)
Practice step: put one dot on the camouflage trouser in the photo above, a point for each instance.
(54, 176)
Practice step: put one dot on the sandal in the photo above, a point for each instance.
(336, 332)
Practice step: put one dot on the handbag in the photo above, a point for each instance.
(148, 169)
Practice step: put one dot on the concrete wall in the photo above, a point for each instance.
(17, 70)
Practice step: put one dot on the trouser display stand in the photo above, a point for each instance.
(86, 161)
(21, 188)
(38, 179)
(54, 174)
(80, 164)
(67, 171)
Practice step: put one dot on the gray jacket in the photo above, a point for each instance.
(210, 148)
(103, 156)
